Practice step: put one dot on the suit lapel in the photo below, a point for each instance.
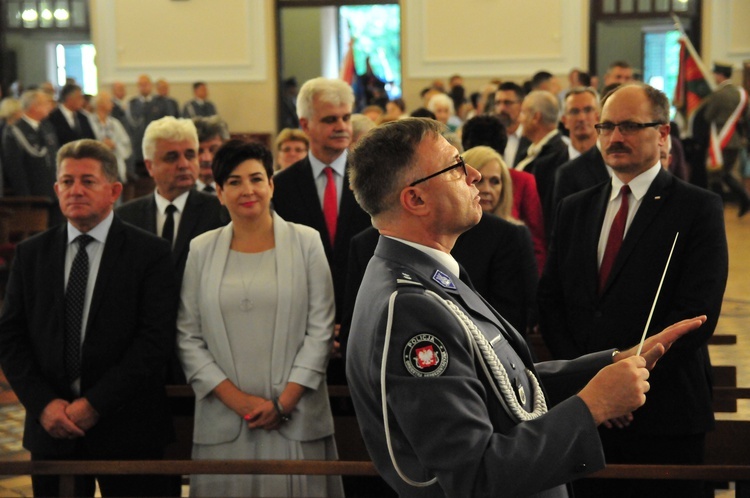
(347, 208)
(188, 221)
(56, 272)
(591, 243)
(647, 213)
(310, 202)
(149, 215)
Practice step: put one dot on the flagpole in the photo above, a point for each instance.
(694, 54)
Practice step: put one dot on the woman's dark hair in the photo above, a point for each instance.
(235, 152)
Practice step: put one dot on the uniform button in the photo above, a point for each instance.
(581, 467)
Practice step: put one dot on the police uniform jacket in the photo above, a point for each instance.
(445, 421)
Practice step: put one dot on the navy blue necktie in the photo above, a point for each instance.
(75, 294)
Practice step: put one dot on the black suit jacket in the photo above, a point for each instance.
(575, 319)
(295, 198)
(523, 148)
(203, 212)
(129, 334)
(63, 130)
(543, 167)
(498, 257)
(585, 171)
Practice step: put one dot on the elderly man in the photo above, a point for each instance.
(85, 331)
(175, 211)
(29, 148)
(199, 106)
(604, 268)
(447, 397)
(67, 119)
(547, 151)
(212, 133)
(508, 99)
(315, 191)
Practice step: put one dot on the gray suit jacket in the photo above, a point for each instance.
(449, 424)
(303, 334)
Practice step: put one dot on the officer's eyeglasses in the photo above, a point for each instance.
(626, 127)
(459, 164)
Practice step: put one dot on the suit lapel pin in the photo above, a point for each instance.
(658, 197)
(443, 280)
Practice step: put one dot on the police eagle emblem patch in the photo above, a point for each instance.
(425, 356)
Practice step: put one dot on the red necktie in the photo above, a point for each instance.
(330, 204)
(614, 241)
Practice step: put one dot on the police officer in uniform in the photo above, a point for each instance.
(448, 399)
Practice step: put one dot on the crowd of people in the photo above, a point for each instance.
(449, 235)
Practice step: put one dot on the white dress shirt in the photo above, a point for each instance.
(638, 188)
(95, 248)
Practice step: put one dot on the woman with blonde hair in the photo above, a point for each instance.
(495, 187)
(498, 253)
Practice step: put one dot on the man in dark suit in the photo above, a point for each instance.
(315, 191)
(508, 99)
(444, 388)
(85, 331)
(607, 257)
(547, 151)
(171, 151)
(67, 119)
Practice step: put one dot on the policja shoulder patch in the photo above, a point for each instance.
(425, 356)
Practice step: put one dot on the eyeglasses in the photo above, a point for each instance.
(626, 127)
(586, 110)
(459, 164)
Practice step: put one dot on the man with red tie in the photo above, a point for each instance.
(607, 256)
(315, 191)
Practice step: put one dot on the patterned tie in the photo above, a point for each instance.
(167, 232)
(330, 204)
(614, 241)
(74, 298)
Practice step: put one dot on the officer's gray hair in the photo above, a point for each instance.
(381, 163)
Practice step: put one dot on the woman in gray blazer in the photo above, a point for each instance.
(255, 328)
